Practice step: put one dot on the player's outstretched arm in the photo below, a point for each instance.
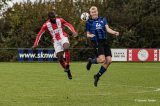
(70, 27)
(109, 30)
(89, 35)
(40, 33)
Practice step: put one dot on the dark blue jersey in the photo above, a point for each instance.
(97, 27)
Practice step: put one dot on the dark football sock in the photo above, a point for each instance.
(101, 71)
(94, 61)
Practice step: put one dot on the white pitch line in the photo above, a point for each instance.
(145, 100)
(147, 91)
(153, 89)
(150, 89)
(157, 90)
(91, 94)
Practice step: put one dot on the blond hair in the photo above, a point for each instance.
(93, 8)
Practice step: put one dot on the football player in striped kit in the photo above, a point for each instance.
(55, 26)
(97, 28)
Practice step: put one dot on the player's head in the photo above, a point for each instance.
(93, 12)
(51, 15)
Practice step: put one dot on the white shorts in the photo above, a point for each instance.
(58, 44)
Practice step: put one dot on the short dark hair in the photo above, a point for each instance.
(51, 15)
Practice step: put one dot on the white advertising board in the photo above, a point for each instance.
(119, 54)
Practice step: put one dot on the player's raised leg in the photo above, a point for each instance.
(64, 64)
(107, 61)
(59, 52)
(67, 56)
(90, 62)
(61, 59)
(99, 59)
(99, 51)
(61, 47)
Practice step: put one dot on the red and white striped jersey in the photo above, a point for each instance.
(56, 30)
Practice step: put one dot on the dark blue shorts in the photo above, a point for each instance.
(102, 47)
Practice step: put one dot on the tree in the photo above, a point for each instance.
(3, 4)
(137, 20)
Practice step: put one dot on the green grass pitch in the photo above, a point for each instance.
(45, 84)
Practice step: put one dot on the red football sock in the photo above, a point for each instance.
(67, 56)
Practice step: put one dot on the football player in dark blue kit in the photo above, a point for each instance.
(97, 28)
